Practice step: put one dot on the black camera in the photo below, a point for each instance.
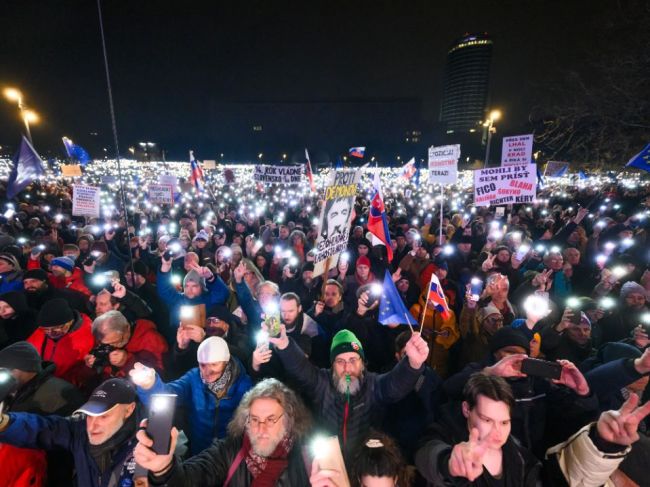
(101, 353)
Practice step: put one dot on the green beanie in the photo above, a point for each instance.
(345, 341)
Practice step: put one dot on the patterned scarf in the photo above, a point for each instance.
(220, 386)
(267, 470)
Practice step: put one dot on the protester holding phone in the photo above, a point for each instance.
(264, 443)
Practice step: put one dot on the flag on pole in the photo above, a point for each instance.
(357, 152)
(376, 181)
(437, 296)
(409, 169)
(582, 175)
(27, 167)
(392, 309)
(76, 152)
(641, 160)
(378, 224)
(310, 175)
(196, 174)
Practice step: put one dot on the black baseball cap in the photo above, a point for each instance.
(108, 395)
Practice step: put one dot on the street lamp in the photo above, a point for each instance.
(489, 124)
(28, 116)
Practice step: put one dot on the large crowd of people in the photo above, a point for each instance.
(535, 371)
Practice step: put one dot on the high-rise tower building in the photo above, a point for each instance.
(466, 80)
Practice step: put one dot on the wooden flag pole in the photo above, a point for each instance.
(424, 313)
(408, 322)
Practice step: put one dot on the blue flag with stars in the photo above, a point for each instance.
(641, 160)
(27, 167)
(392, 309)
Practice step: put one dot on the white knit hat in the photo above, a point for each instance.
(214, 349)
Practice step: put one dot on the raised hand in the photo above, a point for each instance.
(239, 272)
(143, 376)
(572, 378)
(509, 366)
(466, 458)
(416, 350)
(620, 427)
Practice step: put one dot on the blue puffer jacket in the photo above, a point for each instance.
(217, 293)
(55, 432)
(208, 416)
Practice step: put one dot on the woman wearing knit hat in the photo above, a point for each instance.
(362, 276)
(10, 273)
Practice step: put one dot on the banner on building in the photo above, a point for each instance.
(335, 218)
(443, 164)
(517, 150)
(161, 194)
(267, 174)
(85, 200)
(505, 185)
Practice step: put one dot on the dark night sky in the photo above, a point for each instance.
(174, 65)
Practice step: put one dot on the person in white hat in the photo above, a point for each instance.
(210, 392)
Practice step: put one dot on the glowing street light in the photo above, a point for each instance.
(28, 116)
(489, 124)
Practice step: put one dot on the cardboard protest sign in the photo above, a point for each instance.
(277, 174)
(443, 164)
(168, 179)
(161, 194)
(85, 200)
(505, 185)
(209, 164)
(517, 150)
(71, 170)
(335, 218)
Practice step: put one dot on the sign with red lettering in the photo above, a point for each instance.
(505, 185)
(517, 150)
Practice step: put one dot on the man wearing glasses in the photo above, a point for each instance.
(263, 446)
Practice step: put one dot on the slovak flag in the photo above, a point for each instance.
(437, 296)
(378, 224)
(409, 169)
(310, 175)
(196, 174)
(357, 152)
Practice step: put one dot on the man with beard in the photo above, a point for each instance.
(303, 329)
(310, 287)
(63, 273)
(619, 324)
(568, 340)
(101, 443)
(347, 399)
(63, 336)
(337, 215)
(38, 292)
(210, 393)
(263, 446)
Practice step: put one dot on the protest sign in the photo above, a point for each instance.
(517, 150)
(161, 194)
(443, 164)
(505, 185)
(71, 170)
(335, 218)
(85, 200)
(168, 179)
(209, 164)
(277, 174)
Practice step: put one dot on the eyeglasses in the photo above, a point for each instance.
(353, 361)
(270, 421)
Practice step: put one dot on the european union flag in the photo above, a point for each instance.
(392, 309)
(582, 175)
(27, 167)
(641, 160)
(76, 152)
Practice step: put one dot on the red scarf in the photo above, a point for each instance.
(267, 470)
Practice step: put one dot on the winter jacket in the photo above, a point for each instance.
(21, 324)
(75, 281)
(146, 345)
(520, 467)
(366, 407)
(69, 351)
(210, 468)
(11, 281)
(250, 305)
(22, 467)
(209, 416)
(75, 299)
(55, 432)
(217, 293)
